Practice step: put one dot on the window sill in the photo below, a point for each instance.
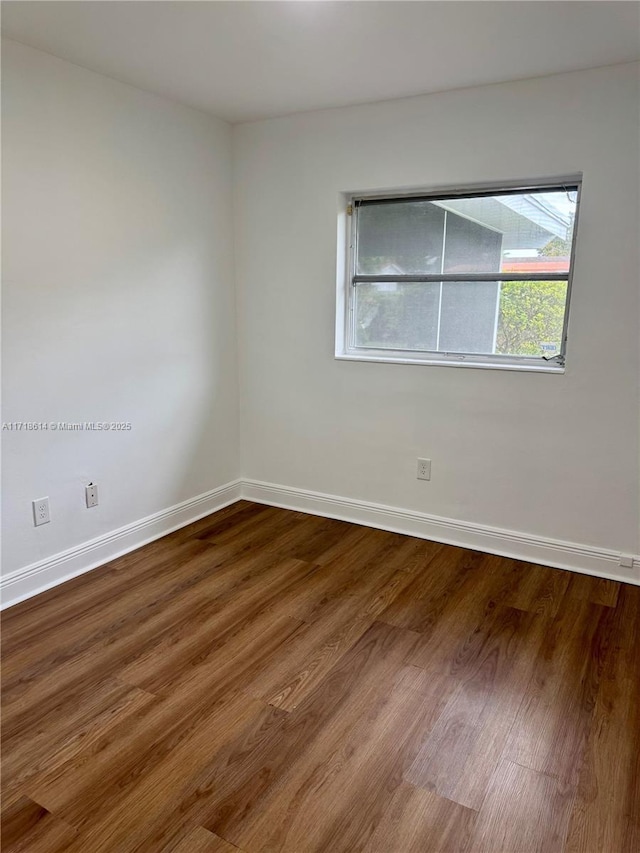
(522, 367)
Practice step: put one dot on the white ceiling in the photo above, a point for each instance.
(248, 60)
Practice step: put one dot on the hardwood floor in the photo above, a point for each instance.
(265, 680)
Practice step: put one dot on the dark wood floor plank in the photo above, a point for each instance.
(524, 812)
(606, 816)
(369, 563)
(227, 519)
(596, 590)
(256, 597)
(265, 680)
(200, 840)
(262, 756)
(185, 570)
(157, 748)
(417, 821)
(360, 544)
(60, 737)
(312, 652)
(257, 531)
(209, 582)
(540, 590)
(27, 827)
(89, 788)
(551, 729)
(323, 540)
(414, 555)
(454, 633)
(267, 737)
(113, 825)
(310, 539)
(443, 581)
(67, 616)
(464, 746)
(335, 792)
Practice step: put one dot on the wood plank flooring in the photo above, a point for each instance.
(265, 680)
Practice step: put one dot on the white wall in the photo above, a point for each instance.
(118, 302)
(550, 455)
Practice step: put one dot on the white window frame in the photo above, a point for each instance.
(347, 234)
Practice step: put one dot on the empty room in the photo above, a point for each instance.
(320, 426)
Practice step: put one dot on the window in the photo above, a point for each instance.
(480, 278)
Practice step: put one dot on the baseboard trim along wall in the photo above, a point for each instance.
(585, 559)
(38, 577)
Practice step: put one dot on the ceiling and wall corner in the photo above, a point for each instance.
(243, 61)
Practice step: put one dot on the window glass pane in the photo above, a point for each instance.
(397, 316)
(468, 318)
(534, 230)
(531, 317)
(504, 318)
(400, 238)
(470, 246)
(502, 233)
(512, 232)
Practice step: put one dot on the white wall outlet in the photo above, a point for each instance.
(424, 469)
(626, 561)
(91, 495)
(41, 511)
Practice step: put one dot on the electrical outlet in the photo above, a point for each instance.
(41, 511)
(626, 561)
(424, 469)
(91, 495)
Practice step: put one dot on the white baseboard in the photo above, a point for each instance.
(38, 577)
(47, 573)
(585, 559)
